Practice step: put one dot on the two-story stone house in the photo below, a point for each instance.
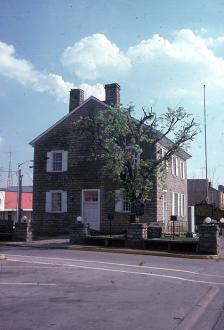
(66, 185)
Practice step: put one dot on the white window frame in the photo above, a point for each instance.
(121, 202)
(175, 208)
(163, 152)
(182, 207)
(165, 202)
(48, 202)
(174, 166)
(182, 170)
(50, 160)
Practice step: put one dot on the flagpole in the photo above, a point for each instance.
(206, 153)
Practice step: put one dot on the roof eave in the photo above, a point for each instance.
(65, 117)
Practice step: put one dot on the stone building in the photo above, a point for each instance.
(197, 193)
(66, 185)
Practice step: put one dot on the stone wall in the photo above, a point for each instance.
(136, 233)
(209, 241)
(78, 233)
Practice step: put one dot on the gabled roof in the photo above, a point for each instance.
(67, 116)
(165, 141)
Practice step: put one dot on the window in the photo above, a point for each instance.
(91, 196)
(178, 204)
(57, 161)
(122, 202)
(175, 204)
(162, 153)
(175, 166)
(182, 170)
(182, 205)
(56, 201)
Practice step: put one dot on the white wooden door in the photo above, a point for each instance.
(91, 207)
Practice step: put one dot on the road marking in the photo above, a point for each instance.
(27, 283)
(119, 264)
(118, 271)
(109, 263)
(198, 310)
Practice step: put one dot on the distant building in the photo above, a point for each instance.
(8, 203)
(197, 190)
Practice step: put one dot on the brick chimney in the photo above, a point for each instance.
(112, 92)
(76, 98)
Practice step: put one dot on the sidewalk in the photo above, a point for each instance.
(63, 243)
(54, 243)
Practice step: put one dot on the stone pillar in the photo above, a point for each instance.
(78, 233)
(23, 232)
(154, 231)
(136, 233)
(208, 239)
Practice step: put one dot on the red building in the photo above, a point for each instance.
(8, 203)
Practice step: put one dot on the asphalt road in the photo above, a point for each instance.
(64, 289)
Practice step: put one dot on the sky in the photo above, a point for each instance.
(160, 52)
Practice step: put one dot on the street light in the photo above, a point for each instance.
(19, 190)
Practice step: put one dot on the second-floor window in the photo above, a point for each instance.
(57, 161)
(182, 170)
(175, 166)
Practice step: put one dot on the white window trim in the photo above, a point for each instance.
(50, 161)
(175, 166)
(173, 203)
(182, 170)
(48, 201)
(183, 212)
(164, 220)
(119, 203)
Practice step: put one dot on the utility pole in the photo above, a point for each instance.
(19, 195)
(9, 178)
(19, 191)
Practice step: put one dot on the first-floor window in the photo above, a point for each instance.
(175, 204)
(122, 202)
(56, 201)
(178, 204)
(182, 205)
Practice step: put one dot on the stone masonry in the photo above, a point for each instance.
(84, 174)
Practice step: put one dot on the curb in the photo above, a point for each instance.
(143, 252)
(2, 257)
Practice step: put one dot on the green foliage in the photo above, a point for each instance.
(129, 147)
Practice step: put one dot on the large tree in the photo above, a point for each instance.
(128, 147)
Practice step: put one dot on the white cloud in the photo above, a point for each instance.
(95, 57)
(1, 139)
(24, 72)
(158, 67)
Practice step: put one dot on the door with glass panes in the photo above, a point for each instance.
(91, 207)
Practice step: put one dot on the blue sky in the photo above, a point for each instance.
(160, 52)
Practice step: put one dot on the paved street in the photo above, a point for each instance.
(63, 289)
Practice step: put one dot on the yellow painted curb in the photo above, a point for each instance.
(143, 252)
(2, 257)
